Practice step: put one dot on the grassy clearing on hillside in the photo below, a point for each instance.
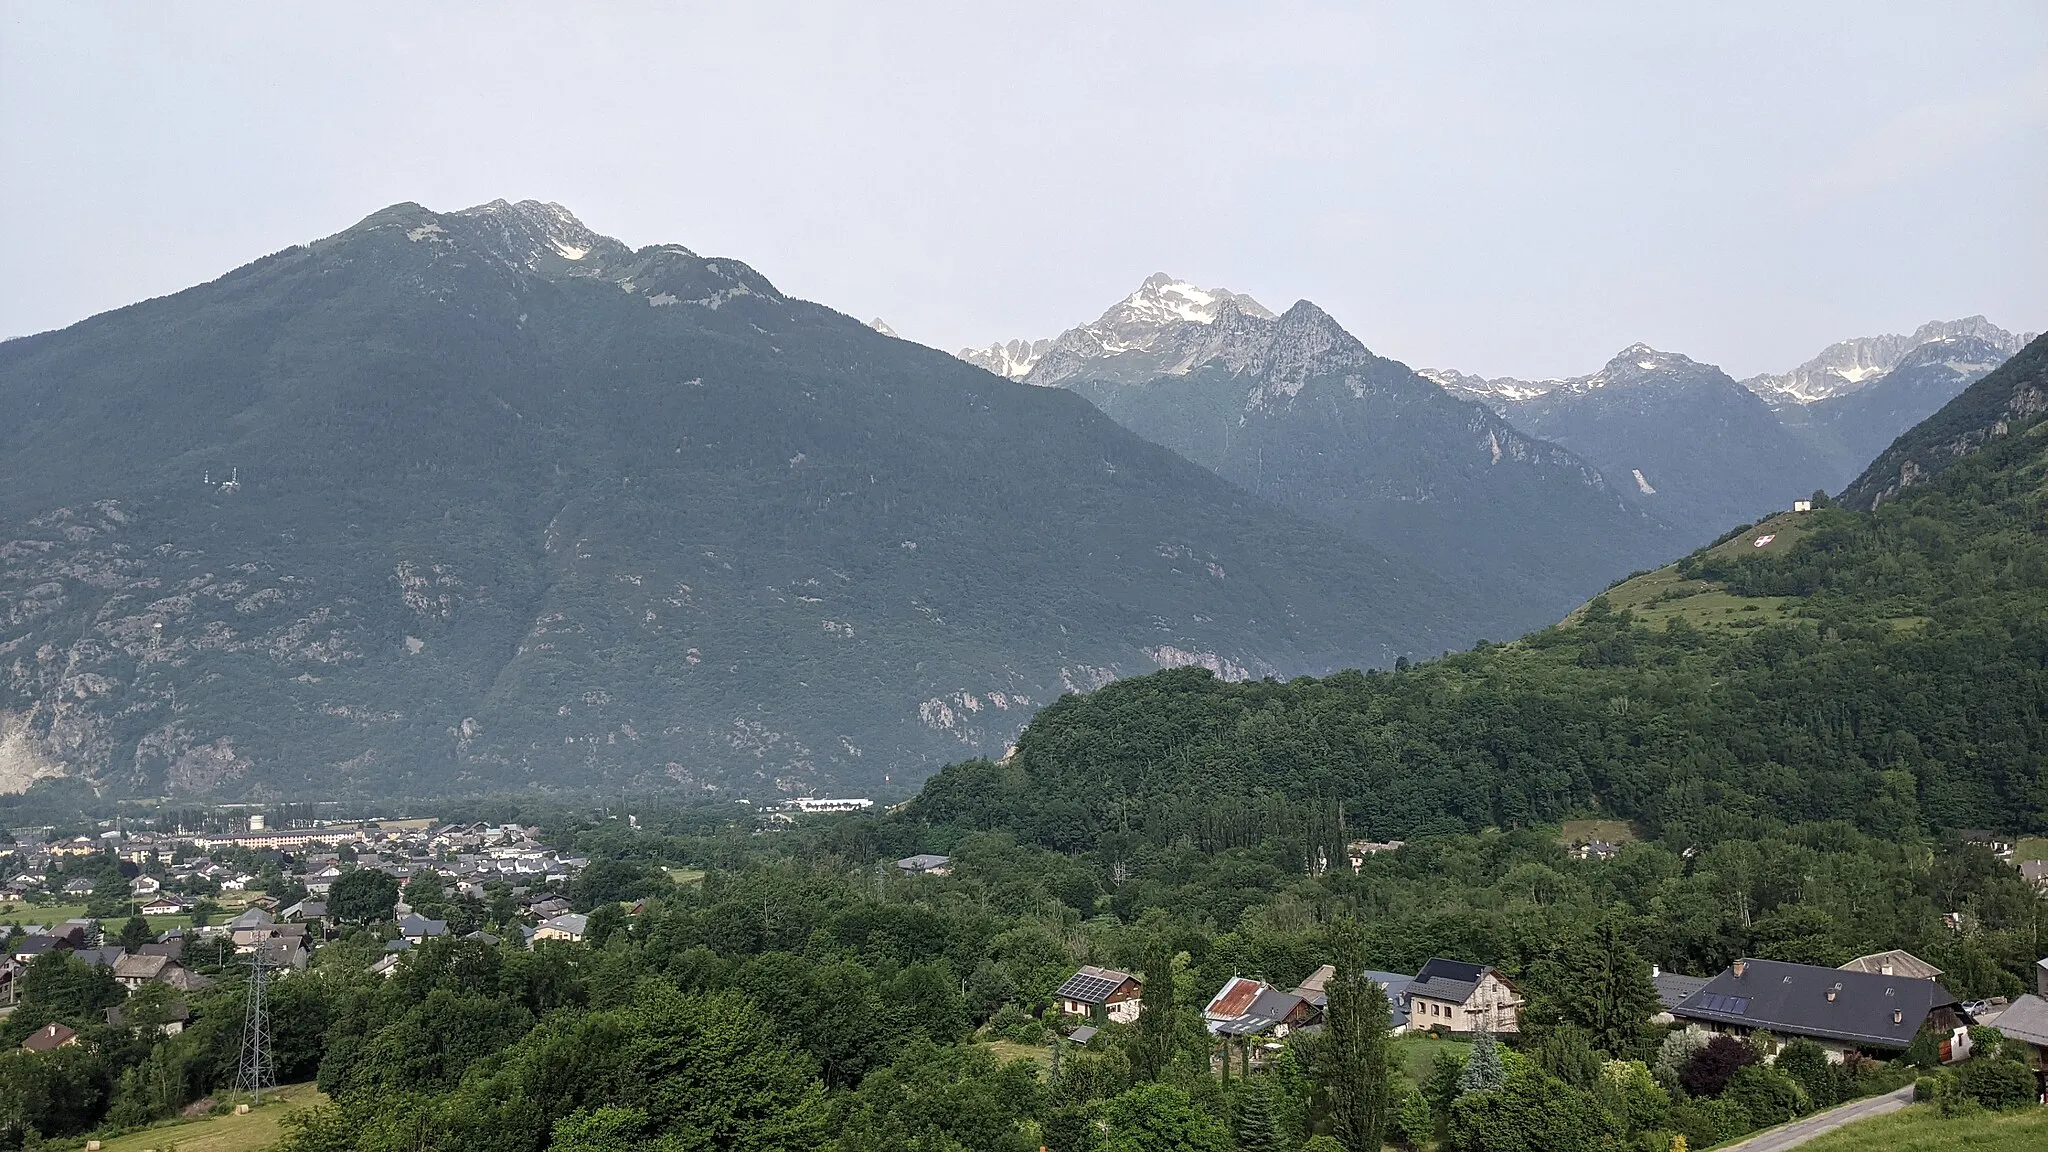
(1008, 1050)
(1586, 831)
(2031, 848)
(1659, 597)
(1413, 1054)
(1920, 1128)
(681, 876)
(259, 1129)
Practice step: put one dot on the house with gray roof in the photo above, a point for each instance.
(1463, 998)
(1841, 1009)
(1672, 990)
(1314, 989)
(1896, 962)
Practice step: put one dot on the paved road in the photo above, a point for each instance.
(1799, 1132)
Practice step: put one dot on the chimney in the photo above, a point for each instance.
(1885, 968)
(1898, 1016)
(1739, 966)
(1832, 991)
(1655, 971)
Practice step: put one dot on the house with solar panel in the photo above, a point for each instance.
(1101, 994)
(1842, 1010)
(1463, 998)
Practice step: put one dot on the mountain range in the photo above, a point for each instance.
(454, 502)
(1716, 451)
(483, 499)
(1294, 408)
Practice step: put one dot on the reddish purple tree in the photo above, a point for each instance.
(1710, 1068)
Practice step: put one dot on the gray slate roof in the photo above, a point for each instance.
(1673, 988)
(1452, 980)
(2025, 1020)
(1792, 1000)
(1397, 987)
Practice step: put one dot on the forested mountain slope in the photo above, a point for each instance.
(1888, 668)
(2008, 400)
(484, 499)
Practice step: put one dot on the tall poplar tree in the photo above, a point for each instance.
(1158, 1029)
(1358, 1072)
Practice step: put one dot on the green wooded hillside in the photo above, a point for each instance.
(1883, 667)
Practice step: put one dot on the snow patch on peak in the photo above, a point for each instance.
(1852, 365)
(1498, 390)
(882, 326)
(1011, 361)
(1163, 299)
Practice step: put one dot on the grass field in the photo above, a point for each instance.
(1414, 1053)
(1920, 1128)
(685, 875)
(2031, 848)
(56, 913)
(1008, 1050)
(1661, 596)
(259, 1129)
(1586, 831)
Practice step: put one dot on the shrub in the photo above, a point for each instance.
(1633, 1096)
(1676, 1049)
(1531, 1110)
(1013, 1023)
(1986, 1042)
(1997, 1084)
(1416, 1121)
(1708, 1071)
(1807, 1062)
(1924, 1052)
(1705, 1123)
(1770, 1095)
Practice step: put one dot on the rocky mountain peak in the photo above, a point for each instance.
(1159, 323)
(532, 234)
(1164, 300)
(1639, 363)
(1852, 365)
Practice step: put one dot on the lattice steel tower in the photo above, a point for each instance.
(256, 1072)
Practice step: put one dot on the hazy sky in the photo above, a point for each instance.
(1516, 191)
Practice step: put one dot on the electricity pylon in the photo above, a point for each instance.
(256, 1071)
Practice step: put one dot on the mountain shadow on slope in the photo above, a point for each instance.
(484, 499)
(1296, 410)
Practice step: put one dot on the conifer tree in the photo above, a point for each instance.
(1256, 1124)
(1483, 1071)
